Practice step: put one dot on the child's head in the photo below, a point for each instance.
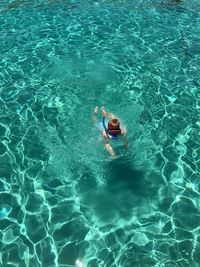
(113, 124)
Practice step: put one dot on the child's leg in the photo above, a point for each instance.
(110, 149)
(107, 145)
(124, 139)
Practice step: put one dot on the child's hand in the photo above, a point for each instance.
(96, 110)
(104, 111)
(123, 131)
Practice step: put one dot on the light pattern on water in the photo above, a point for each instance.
(63, 201)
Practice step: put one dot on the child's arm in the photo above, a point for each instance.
(109, 115)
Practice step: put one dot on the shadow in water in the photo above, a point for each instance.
(124, 193)
(123, 176)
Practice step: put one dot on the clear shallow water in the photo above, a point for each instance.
(61, 197)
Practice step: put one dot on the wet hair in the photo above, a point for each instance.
(113, 124)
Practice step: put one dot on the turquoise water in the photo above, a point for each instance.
(63, 201)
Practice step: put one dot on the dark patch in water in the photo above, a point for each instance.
(124, 177)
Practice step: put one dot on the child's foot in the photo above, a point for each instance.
(114, 157)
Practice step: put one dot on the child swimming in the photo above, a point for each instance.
(112, 131)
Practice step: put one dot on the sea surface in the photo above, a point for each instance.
(64, 202)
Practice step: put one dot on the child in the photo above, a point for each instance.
(112, 131)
